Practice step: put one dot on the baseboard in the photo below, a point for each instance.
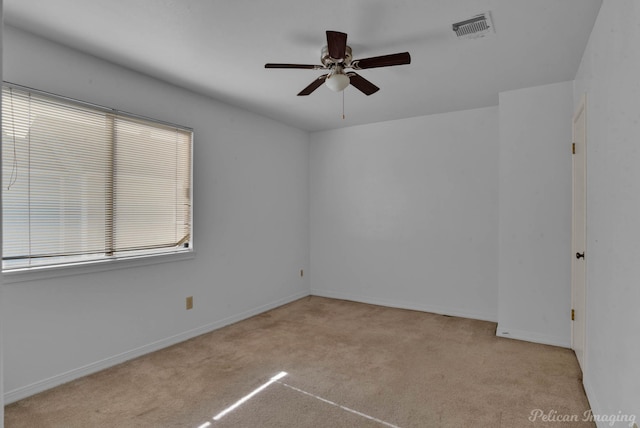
(528, 336)
(403, 305)
(593, 401)
(59, 379)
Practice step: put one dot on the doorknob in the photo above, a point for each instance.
(580, 256)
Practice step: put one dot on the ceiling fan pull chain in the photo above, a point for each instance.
(342, 105)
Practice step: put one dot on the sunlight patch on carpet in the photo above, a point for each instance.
(276, 379)
(248, 396)
(355, 412)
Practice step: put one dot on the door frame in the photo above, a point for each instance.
(578, 304)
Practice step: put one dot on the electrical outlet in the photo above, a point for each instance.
(301, 272)
(189, 302)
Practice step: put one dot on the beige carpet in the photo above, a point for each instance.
(348, 365)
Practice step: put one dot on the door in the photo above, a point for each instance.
(578, 235)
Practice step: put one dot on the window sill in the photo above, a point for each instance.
(35, 274)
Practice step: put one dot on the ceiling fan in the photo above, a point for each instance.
(336, 57)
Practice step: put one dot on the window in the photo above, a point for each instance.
(83, 183)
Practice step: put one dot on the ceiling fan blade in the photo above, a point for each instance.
(381, 61)
(313, 86)
(303, 66)
(362, 84)
(336, 44)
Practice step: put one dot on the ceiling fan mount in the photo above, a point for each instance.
(335, 57)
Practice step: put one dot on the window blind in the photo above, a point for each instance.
(82, 183)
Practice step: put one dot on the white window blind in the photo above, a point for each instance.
(83, 183)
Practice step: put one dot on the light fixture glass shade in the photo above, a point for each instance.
(337, 82)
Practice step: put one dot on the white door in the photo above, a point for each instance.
(578, 235)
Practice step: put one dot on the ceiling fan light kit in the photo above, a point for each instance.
(337, 81)
(335, 57)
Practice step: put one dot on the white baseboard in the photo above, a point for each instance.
(59, 379)
(403, 305)
(596, 409)
(593, 401)
(528, 336)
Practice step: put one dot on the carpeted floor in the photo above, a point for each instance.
(348, 365)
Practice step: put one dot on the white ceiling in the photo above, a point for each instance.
(219, 48)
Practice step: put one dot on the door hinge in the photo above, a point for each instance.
(573, 314)
(573, 148)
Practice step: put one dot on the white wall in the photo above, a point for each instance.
(535, 214)
(404, 213)
(251, 222)
(610, 76)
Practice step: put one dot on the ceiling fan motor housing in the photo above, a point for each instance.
(329, 62)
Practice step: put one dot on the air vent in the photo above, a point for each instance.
(474, 28)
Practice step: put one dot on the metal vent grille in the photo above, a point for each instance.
(478, 26)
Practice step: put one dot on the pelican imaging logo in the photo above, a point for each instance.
(588, 416)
